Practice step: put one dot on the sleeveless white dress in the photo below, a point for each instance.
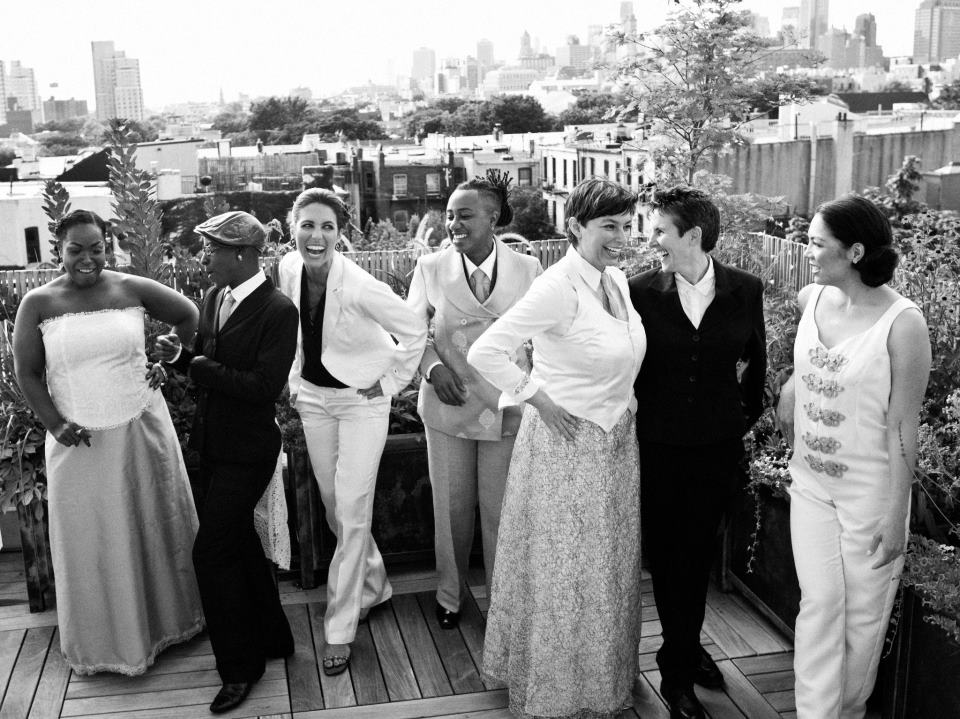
(840, 492)
(122, 519)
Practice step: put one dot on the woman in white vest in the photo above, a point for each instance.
(861, 363)
(359, 344)
(458, 293)
(564, 620)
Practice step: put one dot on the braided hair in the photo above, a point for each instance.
(495, 187)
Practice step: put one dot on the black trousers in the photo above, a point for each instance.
(684, 493)
(240, 599)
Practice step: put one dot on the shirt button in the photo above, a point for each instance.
(694, 358)
(689, 400)
(463, 321)
(696, 338)
(692, 378)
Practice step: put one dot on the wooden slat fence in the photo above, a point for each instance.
(779, 260)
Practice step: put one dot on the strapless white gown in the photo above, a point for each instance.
(122, 519)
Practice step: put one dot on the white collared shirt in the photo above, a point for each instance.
(246, 288)
(695, 298)
(487, 265)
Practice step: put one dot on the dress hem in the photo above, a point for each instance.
(133, 671)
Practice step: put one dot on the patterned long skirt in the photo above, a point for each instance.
(564, 622)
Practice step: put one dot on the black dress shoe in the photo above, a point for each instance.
(447, 619)
(682, 701)
(707, 674)
(230, 696)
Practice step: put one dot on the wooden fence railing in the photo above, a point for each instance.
(780, 261)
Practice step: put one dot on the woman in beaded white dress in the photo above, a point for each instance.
(861, 363)
(122, 519)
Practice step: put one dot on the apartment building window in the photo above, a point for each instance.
(433, 183)
(371, 183)
(564, 173)
(32, 236)
(593, 167)
(629, 171)
(400, 219)
(544, 168)
(553, 168)
(616, 170)
(606, 169)
(524, 176)
(576, 167)
(583, 167)
(399, 185)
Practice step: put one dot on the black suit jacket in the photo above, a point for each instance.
(687, 389)
(239, 374)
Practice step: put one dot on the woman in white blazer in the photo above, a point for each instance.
(459, 292)
(359, 344)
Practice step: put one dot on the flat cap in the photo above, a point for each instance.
(234, 229)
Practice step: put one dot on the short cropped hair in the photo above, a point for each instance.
(852, 219)
(596, 197)
(79, 217)
(690, 208)
(320, 196)
(494, 187)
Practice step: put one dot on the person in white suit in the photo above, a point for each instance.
(359, 344)
(459, 292)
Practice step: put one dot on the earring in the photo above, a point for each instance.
(339, 247)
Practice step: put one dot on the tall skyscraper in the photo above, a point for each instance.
(485, 53)
(936, 33)
(424, 68)
(814, 15)
(866, 27)
(3, 95)
(116, 83)
(526, 49)
(21, 84)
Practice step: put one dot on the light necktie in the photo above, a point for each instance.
(480, 284)
(227, 303)
(610, 294)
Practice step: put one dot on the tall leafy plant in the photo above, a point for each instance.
(56, 204)
(137, 223)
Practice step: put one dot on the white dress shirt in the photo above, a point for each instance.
(695, 298)
(586, 359)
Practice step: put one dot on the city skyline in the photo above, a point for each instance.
(192, 52)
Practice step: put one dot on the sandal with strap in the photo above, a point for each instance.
(335, 664)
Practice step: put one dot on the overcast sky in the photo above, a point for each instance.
(191, 49)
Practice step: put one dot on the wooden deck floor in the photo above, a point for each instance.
(403, 665)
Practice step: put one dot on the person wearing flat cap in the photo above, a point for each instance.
(244, 348)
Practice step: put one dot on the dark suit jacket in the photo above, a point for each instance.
(239, 375)
(687, 389)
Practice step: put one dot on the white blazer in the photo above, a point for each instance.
(360, 315)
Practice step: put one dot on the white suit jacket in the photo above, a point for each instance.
(360, 315)
(441, 297)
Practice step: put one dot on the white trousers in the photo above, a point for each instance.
(845, 604)
(463, 473)
(345, 434)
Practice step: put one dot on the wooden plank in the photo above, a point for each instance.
(26, 673)
(303, 674)
(23, 619)
(176, 698)
(10, 643)
(724, 635)
(743, 693)
(53, 683)
(455, 705)
(773, 681)
(115, 684)
(254, 706)
(784, 701)
(337, 691)
(424, 659)
(398, 674)
(646, 701)
(456, 659)
(765, 663)
(717, 704)
(759, 634)
(368, 681)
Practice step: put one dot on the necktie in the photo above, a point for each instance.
(610, 295)
(480, 284)
(227, 303)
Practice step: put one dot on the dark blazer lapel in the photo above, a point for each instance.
(668, 298)
(250, 305)
(727, 299)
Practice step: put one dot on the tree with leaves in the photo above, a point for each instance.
(695, 78)
(949, 97)
(530, 216)
(591, 107)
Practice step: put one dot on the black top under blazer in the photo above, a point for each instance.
(239, 375)
(687, 389)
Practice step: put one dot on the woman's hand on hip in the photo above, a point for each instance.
(371, 392)
(560, 422)
(448, 385)
(783, 419)
(890, 539)
(70, 434)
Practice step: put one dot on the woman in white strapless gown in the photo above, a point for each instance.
(122, 519)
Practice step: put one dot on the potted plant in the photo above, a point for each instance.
(23, 486)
